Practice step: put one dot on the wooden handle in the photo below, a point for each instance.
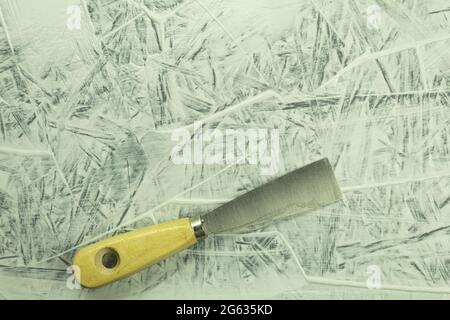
(120, 256)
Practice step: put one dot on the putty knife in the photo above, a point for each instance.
(304, 189)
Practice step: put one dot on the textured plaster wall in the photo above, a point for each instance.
(86, 117)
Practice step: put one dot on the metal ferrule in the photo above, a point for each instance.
(198, 227)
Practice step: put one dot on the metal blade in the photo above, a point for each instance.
(299, 191)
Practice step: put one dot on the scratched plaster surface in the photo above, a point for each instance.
(86, 117)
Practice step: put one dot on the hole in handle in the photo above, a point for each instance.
(107, 260)
(110, 259)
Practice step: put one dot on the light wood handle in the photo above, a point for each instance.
(120, 256)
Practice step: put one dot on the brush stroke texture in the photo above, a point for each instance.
(85, 136)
